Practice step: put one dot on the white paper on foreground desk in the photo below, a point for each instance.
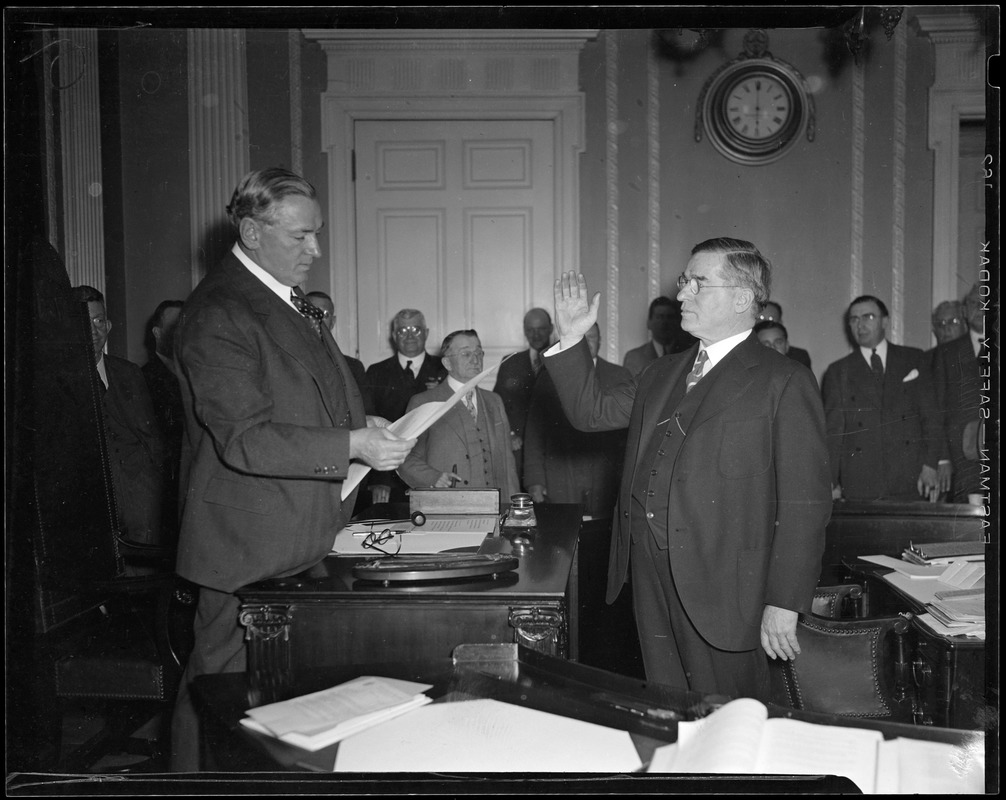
(739, 738)
(414, 423)
(487, 736)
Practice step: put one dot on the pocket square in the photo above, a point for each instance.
(911, 376)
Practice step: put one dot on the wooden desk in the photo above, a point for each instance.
(649, 712)
(947, 672)
(326, 617)
(887, 529)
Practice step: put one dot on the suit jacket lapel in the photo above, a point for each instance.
(287, 329)
(664, 376)
(730, 378)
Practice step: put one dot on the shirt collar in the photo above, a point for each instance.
(102, 372)
(455, 384)
(417, 361)
(658, 348)
(718, 350)
(281, 290)
(881, 351)
(976, 341)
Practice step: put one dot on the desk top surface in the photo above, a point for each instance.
(542, 572)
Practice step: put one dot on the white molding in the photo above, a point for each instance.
(898, 163)
(957, 93)
(611, 190)
(218, 133)
(858, 180)
(472, 75)
(80, 144)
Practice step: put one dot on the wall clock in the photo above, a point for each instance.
(756, 107)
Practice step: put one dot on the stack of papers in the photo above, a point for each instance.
(944, 553)
(317, 720)
(959, 612)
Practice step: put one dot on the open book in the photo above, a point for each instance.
(739, 738)
(317, 720)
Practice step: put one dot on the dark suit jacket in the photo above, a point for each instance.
(879, 440)
(636, 359)
(137, 451)
(390, 390)
(574, 467)
(800, 355)
(360, 375)
(269, 411)
(166, 394)
(749, 495)
(514, 382)
(957, 385)
(442, 446)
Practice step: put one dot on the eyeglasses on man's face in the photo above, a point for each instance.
(946, 323)
(695, 284)
(99, 321)
(409, 330)
(467, 354)
(869, 316)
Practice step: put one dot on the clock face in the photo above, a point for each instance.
(754, 110)
(758, 107)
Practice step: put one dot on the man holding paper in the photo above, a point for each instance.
(273, 420)
(469, 447)
(725, 489)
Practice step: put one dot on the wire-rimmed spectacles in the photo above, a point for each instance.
(375, 539)
(695, 285)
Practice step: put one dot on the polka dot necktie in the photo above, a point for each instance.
(309, 311)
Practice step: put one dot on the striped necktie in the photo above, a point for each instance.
(877, 365)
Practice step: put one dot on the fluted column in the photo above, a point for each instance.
(80, 150)
(218, 138)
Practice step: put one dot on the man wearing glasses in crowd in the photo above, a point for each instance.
(393, 382)
(725, 488)
(469, 447)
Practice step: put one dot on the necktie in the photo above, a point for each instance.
(469, 401)
(309, 311)
(535, 363)
(408, 370)
(877, 365)
(696, 373)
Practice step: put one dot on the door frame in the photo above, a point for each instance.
(522, 99)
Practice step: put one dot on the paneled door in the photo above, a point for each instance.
(457, 219)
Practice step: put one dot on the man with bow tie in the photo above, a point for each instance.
(885, 437)
(273, 420)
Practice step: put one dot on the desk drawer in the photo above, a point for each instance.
(284, 638)
(950, 682)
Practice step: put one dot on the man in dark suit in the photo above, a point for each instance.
(165, 391)
(957, 382)
(772, 312)
(884, 436)
(323, 301)
(517, 375)
(725, 491)
(394, 381)
(666, 335)
(136, 446)
(469, 446)
(273, 420)
(564, 465)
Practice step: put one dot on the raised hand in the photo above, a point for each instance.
(575, 310)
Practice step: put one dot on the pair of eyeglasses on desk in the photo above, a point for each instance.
(375, 540)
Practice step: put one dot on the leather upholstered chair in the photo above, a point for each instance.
(853, 668)
(843, 601)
